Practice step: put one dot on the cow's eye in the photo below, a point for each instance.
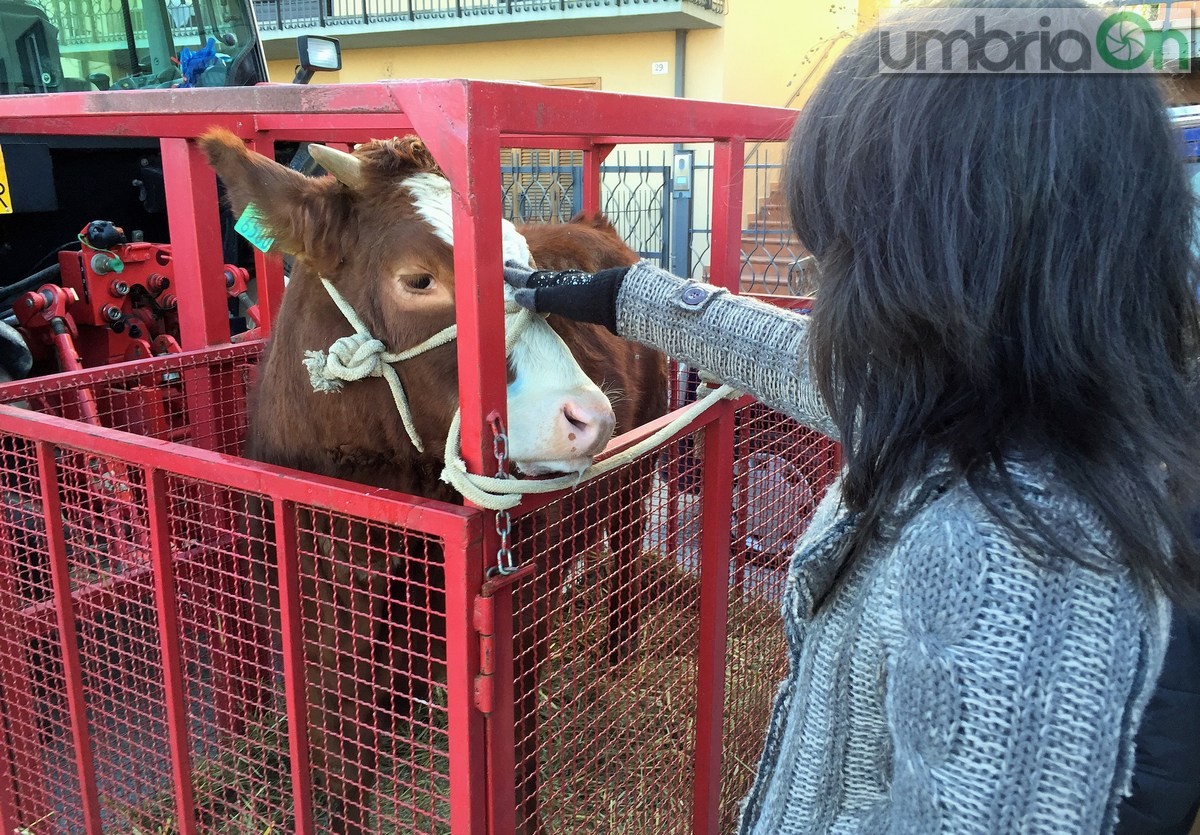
(417, 281)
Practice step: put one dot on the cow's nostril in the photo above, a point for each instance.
(578, 421)
(587, 427)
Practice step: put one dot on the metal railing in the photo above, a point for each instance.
(637, 194)
(303, 14)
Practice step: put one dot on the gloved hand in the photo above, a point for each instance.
(584, 297)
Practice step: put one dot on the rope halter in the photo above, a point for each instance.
(361, 355)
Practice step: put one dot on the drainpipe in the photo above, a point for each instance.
(679, 249)
(680, 59)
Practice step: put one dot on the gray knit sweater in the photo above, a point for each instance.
(950, 683)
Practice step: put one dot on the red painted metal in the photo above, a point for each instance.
(268, 269)
(292, 634)
(167, 605)
(468, 764)
(23, 788)
(593, 158)
(728, 162)
(501, 721)
(181, 418)
(195, 242)
(72, 669)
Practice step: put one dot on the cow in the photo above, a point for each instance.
(379, 231)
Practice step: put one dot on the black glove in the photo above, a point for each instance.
(584, 297)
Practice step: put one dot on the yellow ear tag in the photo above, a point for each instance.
(250, 227)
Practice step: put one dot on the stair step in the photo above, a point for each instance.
(760, 254)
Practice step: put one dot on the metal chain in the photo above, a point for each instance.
(505, 561)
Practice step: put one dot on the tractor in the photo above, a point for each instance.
(86, 274)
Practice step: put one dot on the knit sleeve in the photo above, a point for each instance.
(754, 347)
(1012, 690)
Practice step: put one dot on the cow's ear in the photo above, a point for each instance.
(303, 216)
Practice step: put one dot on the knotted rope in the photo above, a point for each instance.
(361, 355)
(505, 493)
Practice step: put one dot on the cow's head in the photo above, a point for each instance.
(380, 230)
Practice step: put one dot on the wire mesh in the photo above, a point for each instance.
(606, 614)
(193, 399)
(374, 633)
(605, 674)
(781, 471)
(37, 749)
(605, 661)
(371, 624)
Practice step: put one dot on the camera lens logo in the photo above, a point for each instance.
(1125, 40)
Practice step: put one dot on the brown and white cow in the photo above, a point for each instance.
(380, 231)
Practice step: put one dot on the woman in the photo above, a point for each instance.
(1000, 340)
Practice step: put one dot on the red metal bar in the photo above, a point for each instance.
(349, 128)
(385, 506)
(268, 269)
(674, 464)
(60, 574)
(524, 110)
(482, 385)
(501, 722)
(716, 499)
(468, 764)
(593, 158)
(294, 682)
(195, 245)
(23, 796)
(132, 124)
(174, 681)
(478, 264)
(802, 304)
(268, 273)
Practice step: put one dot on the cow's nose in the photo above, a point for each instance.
(588, 424)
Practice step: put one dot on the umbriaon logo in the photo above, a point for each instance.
(1034, 41)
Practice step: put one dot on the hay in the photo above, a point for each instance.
(616, 748)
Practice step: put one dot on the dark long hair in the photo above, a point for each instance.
(1007, 270)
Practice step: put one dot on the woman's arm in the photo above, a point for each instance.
(755, 347)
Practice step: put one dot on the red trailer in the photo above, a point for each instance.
(139, 692)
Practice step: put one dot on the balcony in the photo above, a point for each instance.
(374, 23)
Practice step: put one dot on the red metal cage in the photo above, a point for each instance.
(164, 646)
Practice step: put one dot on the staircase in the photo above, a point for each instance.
(770, 251)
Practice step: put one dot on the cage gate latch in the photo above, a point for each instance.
(484, 616)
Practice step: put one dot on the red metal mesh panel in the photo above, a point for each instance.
(604, 675)
(105, 530)
(371, 625)
(374, 632)
(605, 616)
(237, 733)
(37, 746)
(605, 657)
(196, 399)
(781, 472)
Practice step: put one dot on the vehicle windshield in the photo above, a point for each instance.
(52, 46)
